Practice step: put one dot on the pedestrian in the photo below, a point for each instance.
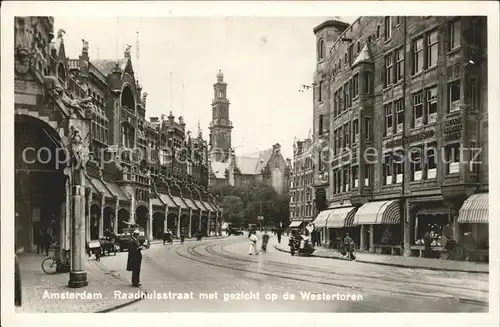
(318, 237)
(349, 246)
(45, 240)
(427, 244)
(265, 240)
(165, 236)
(278, 233)
(134, 259)
(313, 238)
(170, 237)
(253, 243)
(182, 237)
(38, 241)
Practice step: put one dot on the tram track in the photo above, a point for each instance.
(239, 263)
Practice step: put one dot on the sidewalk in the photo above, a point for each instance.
(36, 284)
(397, 261)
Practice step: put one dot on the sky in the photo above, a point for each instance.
(265, 60)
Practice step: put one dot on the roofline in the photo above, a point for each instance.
(331, 23)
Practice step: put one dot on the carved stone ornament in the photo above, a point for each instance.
(24, 44)
(79, 149)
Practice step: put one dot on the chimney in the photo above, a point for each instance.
(115, 79)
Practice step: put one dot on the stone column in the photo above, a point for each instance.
(67, 216)
(117, 206)
(101, 220)
(165, 221)
(371, 248)
(179, 224)
(77, 275)
(208, 224)
(150, 220)
(62, 227)
(190, 221)
(362, 238)
(406, 221)
(87, 217)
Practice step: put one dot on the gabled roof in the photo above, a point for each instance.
(364, 56)
(253, 163)
(106, 66)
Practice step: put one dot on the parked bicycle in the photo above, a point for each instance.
(52, 265)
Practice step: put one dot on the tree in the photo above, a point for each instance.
(233, 209)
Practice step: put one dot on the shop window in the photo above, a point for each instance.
(454, 35)
(368, 174)
(400, 117)
(355, 86)
(398, 162)
(387, 27)
(388, 119)
(418, 55)
(355, 130)
(431, 161)
(453, 155)
(388, 70)
(454, 95)
(354, 173)
(418, 110)
(416, 163)
(432, 49)
(368, 128)
(432, 104)
(387, 169)
(400, 64)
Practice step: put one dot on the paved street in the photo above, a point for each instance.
(224, 267)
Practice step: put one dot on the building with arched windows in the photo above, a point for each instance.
(124, 170)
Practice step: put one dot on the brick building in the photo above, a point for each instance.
(400, 106)
(301, 183)
(267, 166)
(150, 173)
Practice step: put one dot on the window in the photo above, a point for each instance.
(418, 110)
(320, 125)
(388, 70)
(398, 162)
(341, 102)
(475, 33)
(453, 158)
(335, 141)
(418, 56)
(355, 130)
(358, 48)
(400, 117)
(454, 95)
(350, 54)
(350, 93)
(340, 64)
(346, 96)
(430, 161)
(368, 174)
(367, 83)
(341, 132)
(345, 180)
(335, 104)
(387, 169)
(378, 31)
(354, 174)
(387, 27)
(320, 90)
(388, 119)
(432, 49)
(346, 135)
(416, 163)
(432, 104)
(355, 85)
(454, 34)
(345, 58)
(474, 94)
(321, 49)
(400, 64)
(339, 176)
(368, 128)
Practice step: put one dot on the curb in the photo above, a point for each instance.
(395, 264)
(190, 239)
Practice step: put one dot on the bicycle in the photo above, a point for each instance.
(53, 265)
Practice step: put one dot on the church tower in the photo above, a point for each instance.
(221, 126)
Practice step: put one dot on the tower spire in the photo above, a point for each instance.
(137, 55)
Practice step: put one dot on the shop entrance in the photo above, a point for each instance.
(39, 183)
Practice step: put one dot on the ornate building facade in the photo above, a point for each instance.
(402, 87)
(302, 207)
(267, 166)
(86, 155)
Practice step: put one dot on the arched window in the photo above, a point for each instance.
(61, 73)
(378, 31)
(127, 99)
(321, 49)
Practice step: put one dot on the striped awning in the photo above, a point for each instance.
(208, 206)
(99, 185)
(168, 200)
(340, 216)
(320, 220)
(156, 202)
(379, 212)
(295, 223)
(118, 191)
(190, 203)
(474, 210)
(200, 205)
(179, 202)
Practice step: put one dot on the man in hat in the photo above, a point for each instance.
(134, 259)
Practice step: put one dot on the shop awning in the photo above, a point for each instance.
(474, 210)
(99, 185)
(200, 205)
(168, 200)
(190, 203)
(92, 186)
(320, 220)
(117, 190)
(179, 202)
(209, 206)
(156, 202)
(379, 212)
(295, 224)
(341, 217)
